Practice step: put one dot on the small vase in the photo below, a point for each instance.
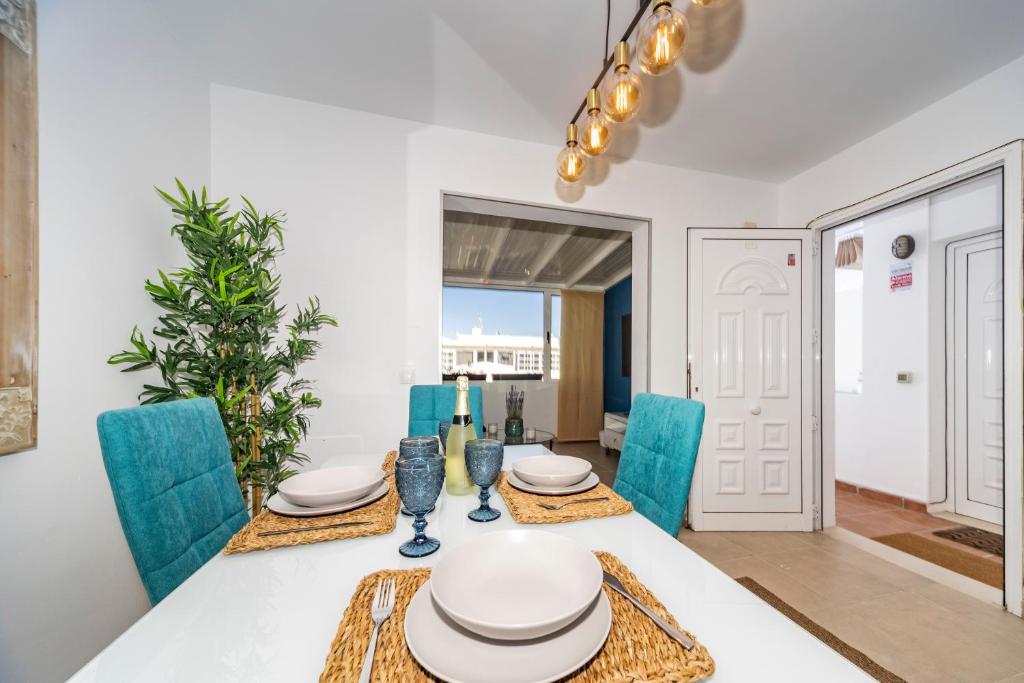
(514, 427)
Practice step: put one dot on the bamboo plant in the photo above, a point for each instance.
(222, 337)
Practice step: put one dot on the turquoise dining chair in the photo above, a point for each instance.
(658, 456)
(174, 486)
(431, 403)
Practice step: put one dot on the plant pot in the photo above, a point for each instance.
(513, 427)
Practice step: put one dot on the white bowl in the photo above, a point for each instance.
(331, 485)
(517, 584)
(551, 470)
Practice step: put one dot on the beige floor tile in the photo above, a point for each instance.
(953, 600)
(831, 575)
(797, 595)
(712, 546)
(875, 567)
(758, 542)
(863, 633)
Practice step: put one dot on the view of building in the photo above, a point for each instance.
(477, 353)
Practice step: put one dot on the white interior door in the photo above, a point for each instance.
(749, 333)
(978, 378)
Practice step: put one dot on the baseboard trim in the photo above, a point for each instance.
(882, 496)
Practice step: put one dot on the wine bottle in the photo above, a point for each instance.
(457, 481)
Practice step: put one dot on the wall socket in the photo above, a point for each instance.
(904, 377)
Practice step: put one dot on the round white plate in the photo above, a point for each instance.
(454, 654)
(331, 485)
(590, 482)
(283, 507)
(548, 471)
(516, 584)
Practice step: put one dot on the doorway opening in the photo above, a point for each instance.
(912, 379)
(543, 300)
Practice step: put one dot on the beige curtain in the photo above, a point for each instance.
(581, 367)
(850, 253)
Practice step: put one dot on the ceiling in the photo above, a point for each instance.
(769, 88)
(498, 250)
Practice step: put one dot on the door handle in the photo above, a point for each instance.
(755, 409)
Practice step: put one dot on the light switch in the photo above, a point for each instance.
(407, 375)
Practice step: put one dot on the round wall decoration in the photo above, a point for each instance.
(903, 246)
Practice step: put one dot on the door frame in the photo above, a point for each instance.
(1008, 158)
(746, 521)
(956, 377)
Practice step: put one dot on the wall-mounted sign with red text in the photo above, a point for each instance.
(901, 276)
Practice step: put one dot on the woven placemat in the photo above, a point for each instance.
(525, 509)
(636, 651)
(381, 514)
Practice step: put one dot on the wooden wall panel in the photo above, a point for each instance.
(19, 243)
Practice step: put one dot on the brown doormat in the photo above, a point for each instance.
(866, 664)
(962, 562)
(975, 538)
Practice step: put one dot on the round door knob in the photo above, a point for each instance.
(755, 410)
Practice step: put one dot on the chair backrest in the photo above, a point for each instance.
(431, 403)
(174, 485)
(658, 456)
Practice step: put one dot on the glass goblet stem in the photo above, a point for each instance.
(419, 525)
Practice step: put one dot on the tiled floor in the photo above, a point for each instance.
(873, 518)
(915, 627)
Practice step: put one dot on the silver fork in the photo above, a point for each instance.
(380, 609)
(559, 506)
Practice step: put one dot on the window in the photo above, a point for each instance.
(556, 332)
(498, 332)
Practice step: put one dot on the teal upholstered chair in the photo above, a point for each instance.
(431, 403)
(658, 456)
(174, 486)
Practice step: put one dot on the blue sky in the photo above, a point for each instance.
(502, 311)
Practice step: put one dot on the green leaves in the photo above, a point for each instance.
(220, 321)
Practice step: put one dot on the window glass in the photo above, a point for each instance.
(491, 332)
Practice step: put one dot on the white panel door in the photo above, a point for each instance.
(978, 386)
(748, 358)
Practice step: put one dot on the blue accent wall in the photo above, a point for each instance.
(618, 301)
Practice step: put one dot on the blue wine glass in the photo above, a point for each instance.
(413, 447)
(419, 482)
(483, 460)
(443, 427)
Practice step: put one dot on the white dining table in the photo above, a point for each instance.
(272, 615)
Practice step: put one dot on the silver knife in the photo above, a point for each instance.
(674, 633)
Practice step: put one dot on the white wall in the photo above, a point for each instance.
(363, 194)
(891, 437)
(119, 111)
(882, 433)
(979, 117)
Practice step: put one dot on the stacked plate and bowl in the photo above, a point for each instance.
(545, 475)
(515, 605)
(328, 491)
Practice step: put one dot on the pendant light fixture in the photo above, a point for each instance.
(660, 44)
(662, 38)
(594, 136)
(622, 90)
(571, 161)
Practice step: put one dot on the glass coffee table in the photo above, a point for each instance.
(546, 439)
